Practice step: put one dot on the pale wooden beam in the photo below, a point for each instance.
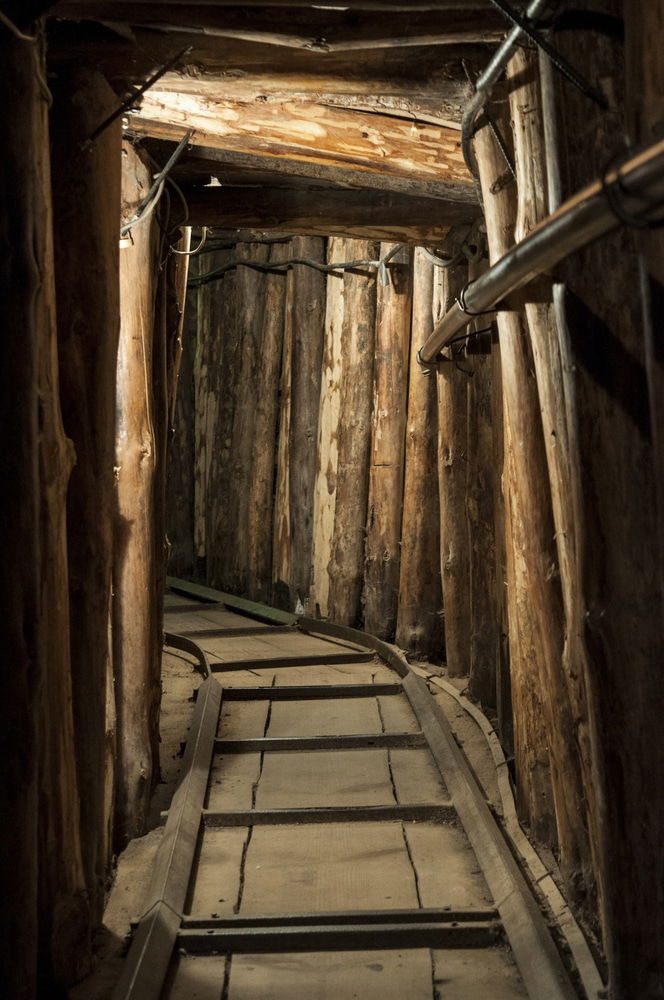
(308, 133)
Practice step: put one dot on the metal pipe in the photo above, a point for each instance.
(638, 183)
(485, 83)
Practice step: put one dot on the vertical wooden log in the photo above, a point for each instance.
(31, 904)
(239, 305)
(452, 385)
(325, 491)
(87, 186)
(260, 504)
(619, 581)
(480, 506)
(386, 467)
(354, 441)
(645, 109)
(535, 625)
(64, 932)
(214, 411)
(180, 484)
(137, 674)
(203, 422)
(281, 547)
(503, 679)
(171, 283)
(565, 698)
(307, 305)
(419, 622)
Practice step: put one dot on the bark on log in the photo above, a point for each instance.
(503, 679)
(237, 323)
(644, 29)
(619, 583)
(535, 626)
(32, 905)
(180, 484)
(452, 387)
(87, 186)
(210, 401)
(138, 688)
(281, 547)
(388, 427)
(419, 621)
(480, 503)
(565, 700)
(261, 487)
(305, 323)
(325, 492)
(354, 441)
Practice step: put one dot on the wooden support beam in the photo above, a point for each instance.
(535, 625)
(316, 29)
(338, 212)
(419, 623)
(452, 386)
(351, 481)
(137, 661)
(307, 131)
(87, 186)
(388, 427)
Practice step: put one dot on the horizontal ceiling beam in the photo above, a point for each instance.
(355, 5)
(316, 29)
(200, 164)
(307, 132)
(421, 77)
(376, 215)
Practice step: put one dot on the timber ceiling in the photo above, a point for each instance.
(328, 118)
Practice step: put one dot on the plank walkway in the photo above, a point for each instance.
(316, 846)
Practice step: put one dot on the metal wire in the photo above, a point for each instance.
(282, 267)
(556, 58)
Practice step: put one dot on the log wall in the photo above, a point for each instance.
(324, 447)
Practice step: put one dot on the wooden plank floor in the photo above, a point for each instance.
(324, 866)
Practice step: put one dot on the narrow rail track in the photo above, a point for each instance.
(327, 838)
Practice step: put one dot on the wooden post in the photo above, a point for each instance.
(38, 796)
(306, 306)
(266, 403)
(452, 385)
(86, 186)
(138, 687)
(239, 304)
(619, 576)
(419, 623)
(214, 408)
(354, 442)
(481, 478)
(535, 625)
(180, 483)
(325, 492)
(502, 656)
(388, 425)
(564, 695)
(281, 547)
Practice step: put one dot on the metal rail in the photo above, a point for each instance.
(634, 189)
(165, 927)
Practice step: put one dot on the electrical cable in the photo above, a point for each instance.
(282, 267)
(559, 61)
(157, 189)
(16, 31)
(192, 253)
